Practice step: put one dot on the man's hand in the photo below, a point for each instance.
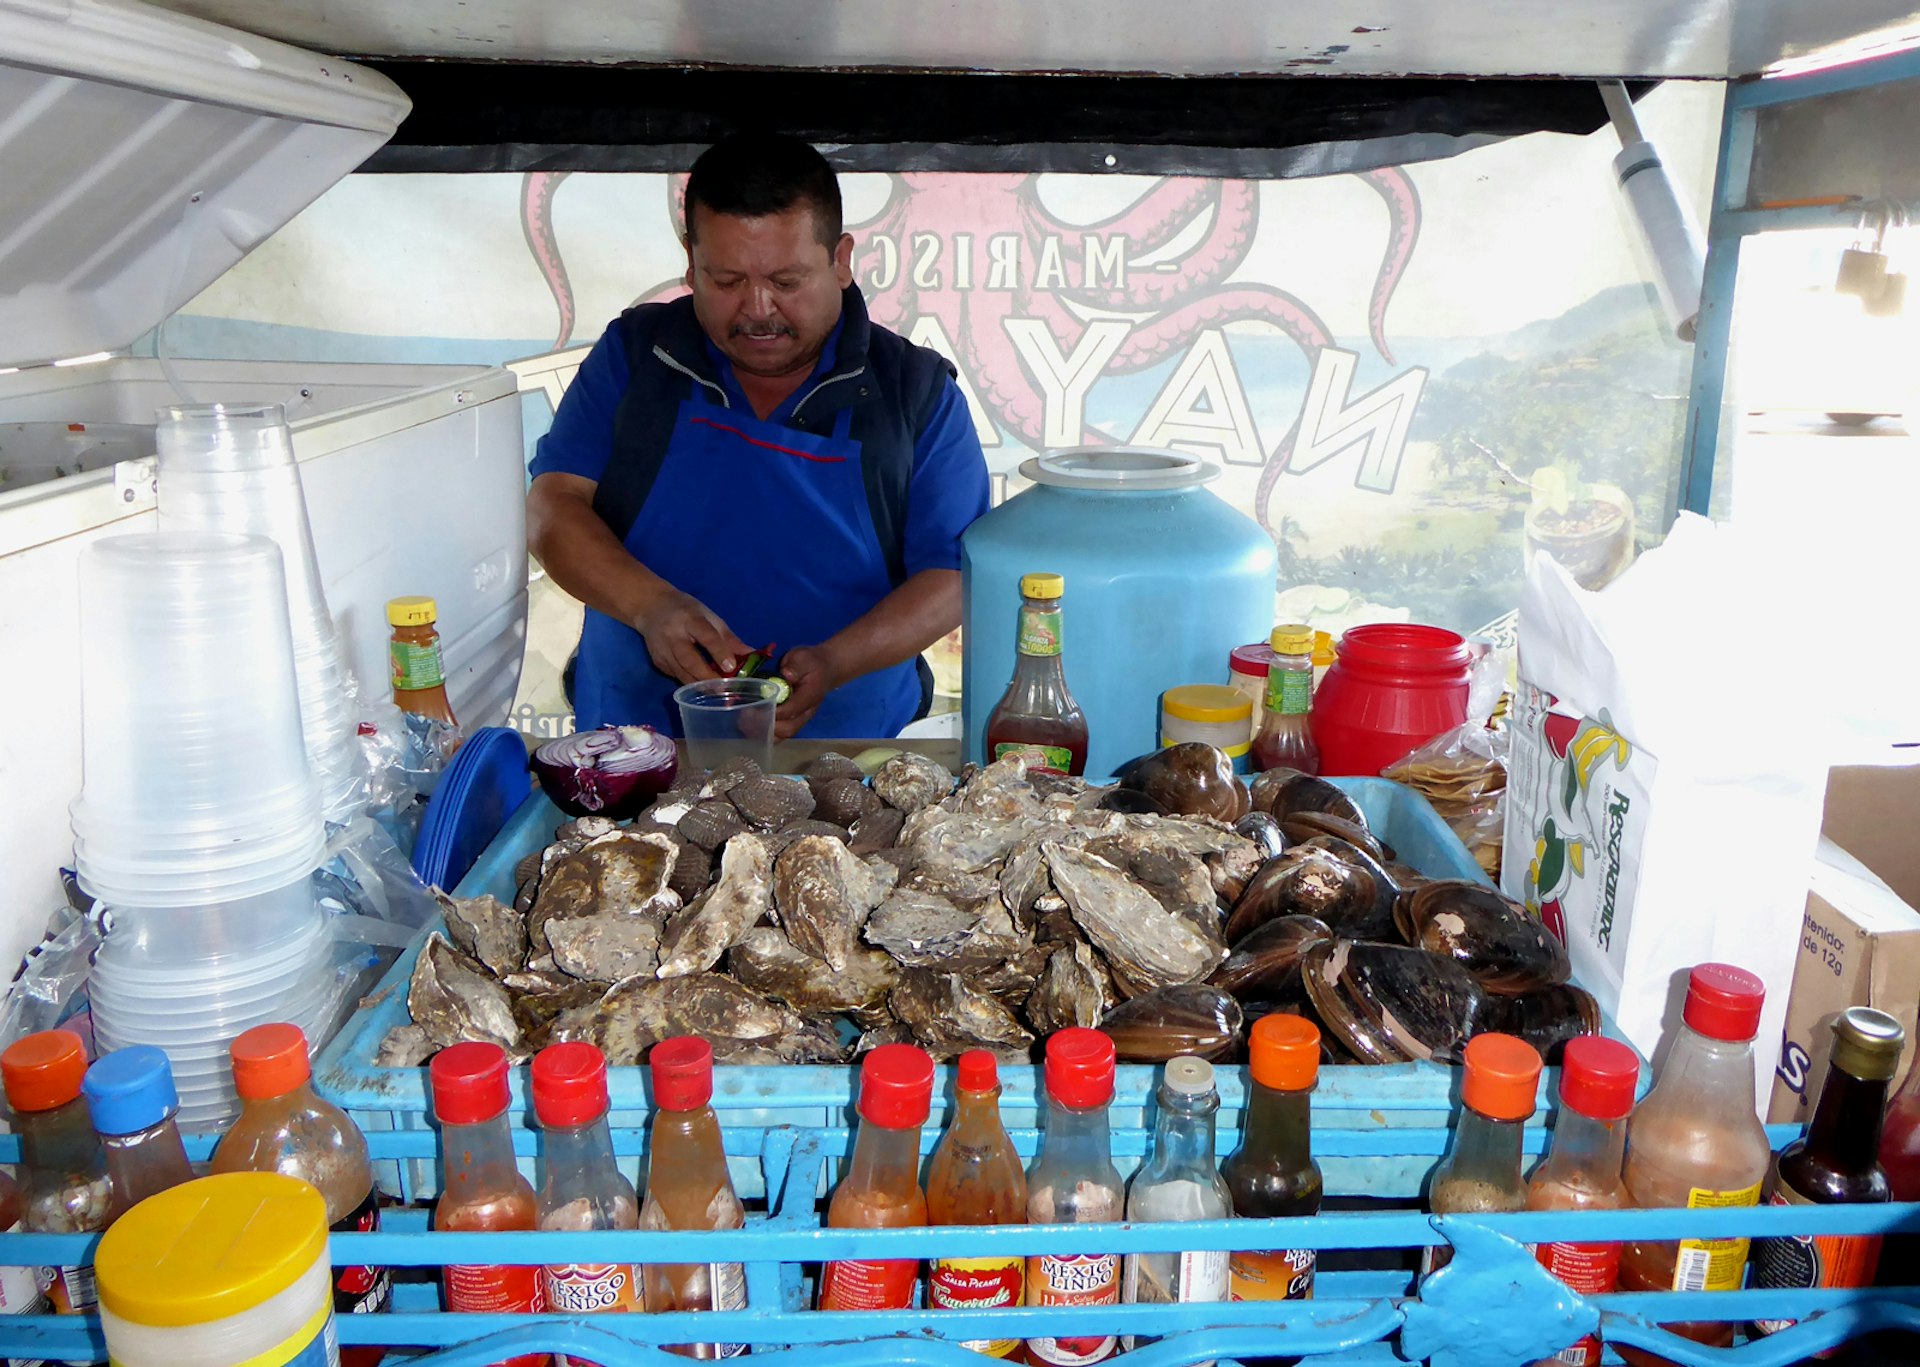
(812, 674)
(687, 640)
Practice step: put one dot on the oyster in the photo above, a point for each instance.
(453, 998)
(784, 839)
(622, 872)
(1188, 779)
(1190, 1018)
(547, 980)
(1391, 1003)
(968, 889)
(536, 1012)
(770, 803)
(405, 1046)
(1023, 882)
(948, 1017)
(1178, 881)
(767, 962)
(1013, 974)
(712, 823)
(1546, 1018)
(972, 843)
(920, 929)
(605, 949)
(1265, 963)
(1000, 792)
(638, 1013)
(1505, 947)
(877, 830)
(824, 894)
(871, 1038)
(1288, 792)
(494, 934)
(1075, 989)
(701, 933)
(1144, 945)
(911, 782)
(1310, 882)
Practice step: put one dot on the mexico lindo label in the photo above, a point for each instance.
(1075, 1279)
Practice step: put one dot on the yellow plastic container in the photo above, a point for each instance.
(227, 1271)
(1218, 714)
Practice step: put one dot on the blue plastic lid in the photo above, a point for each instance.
(130, 1090)
(485, 784)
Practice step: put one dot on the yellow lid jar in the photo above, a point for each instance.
(1216, 714)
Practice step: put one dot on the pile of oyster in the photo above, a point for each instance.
(804, 922)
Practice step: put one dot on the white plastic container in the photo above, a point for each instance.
(218, 1272)
(1215, 714)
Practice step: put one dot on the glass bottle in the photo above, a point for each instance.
(1037, 715)
(63, 1174)
(1835, 1163)
(1481, 1173)
(420, 681)
(131, 1098)
(1073, 1182)
(1900, 1159)
(1283, 740)
(582, 1188)
(1272, 1173)
(1582, 1169)
(481, 1189)
(1179, 1182)
(882, 1185)
(1696, 1142)
(689, 1187)
(285, 1127)
(976, 1179)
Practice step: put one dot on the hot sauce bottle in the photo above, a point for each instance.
(1834, 1163)
(1481, 1173)
(1073, 1181)
(975, 1179)
(1285, 738)
(63, 1174)
(1272, 1173)
(1037, 715)
(1696, 1142)
(481, 1190)
(882, 1186)
(1582, 1169)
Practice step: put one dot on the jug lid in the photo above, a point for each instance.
(1115, 468)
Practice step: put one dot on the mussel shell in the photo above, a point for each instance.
(1305, 883)
(1547, 1018)
(1188, 779)
(1379, 922)
(1130, 801)
(1304, 826)
(1506, 948)
(1266, 963)
(1288, 792)
(1264, 831)
(1191, 1018)
(1392, 1002)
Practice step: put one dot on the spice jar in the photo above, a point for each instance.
(1392, 688)
(1247, 674)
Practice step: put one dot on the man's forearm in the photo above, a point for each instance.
(584, 557)
(899, 626)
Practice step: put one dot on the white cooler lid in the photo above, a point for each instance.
(144, 153)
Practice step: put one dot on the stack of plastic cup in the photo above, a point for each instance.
(232, 469)
(198, 824)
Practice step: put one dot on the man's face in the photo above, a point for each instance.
(765, 289)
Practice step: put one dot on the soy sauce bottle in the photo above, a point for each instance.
(1272, 1173)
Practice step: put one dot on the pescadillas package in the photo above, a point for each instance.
(1664, 791)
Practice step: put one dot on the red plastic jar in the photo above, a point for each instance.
(1392, 688)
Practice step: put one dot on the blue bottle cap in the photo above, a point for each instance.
(130, 1090)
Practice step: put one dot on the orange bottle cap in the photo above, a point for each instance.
(43, 1071)
(1503, 1076)
(1283, 1052)
(269, 1060)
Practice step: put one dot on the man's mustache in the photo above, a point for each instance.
(761, 330)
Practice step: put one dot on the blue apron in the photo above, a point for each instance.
(769, 527)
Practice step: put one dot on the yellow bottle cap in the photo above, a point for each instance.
(1323, 652)
(1291, 640)
(1213, 703)
(211, 1248)
(1042, 586)
(412, 612)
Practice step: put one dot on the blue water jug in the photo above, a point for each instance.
(1163, 580)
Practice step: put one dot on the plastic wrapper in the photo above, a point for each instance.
(394, 791)
(1463, 772)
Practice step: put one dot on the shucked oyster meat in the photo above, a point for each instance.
(824, 894)
(767, 962)
(701, 933)
(453, 998)
(1145, 946)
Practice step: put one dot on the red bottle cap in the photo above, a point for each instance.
(979, 1071)
(1080, 1068)
(1723, 1002)
(469, 1083)
(569, 1084)
(682, 1073)
(1597, 1076)
(269, 1061)
(1502, 1076)
(43, 1071)
(896, 1086)
(1251, 660)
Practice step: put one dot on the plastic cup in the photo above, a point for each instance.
(725, 719)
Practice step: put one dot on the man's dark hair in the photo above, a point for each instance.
(751, 175)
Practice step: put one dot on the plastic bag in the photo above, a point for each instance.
(1463, 772)
(393, 786)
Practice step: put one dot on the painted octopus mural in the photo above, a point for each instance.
(1172, 302)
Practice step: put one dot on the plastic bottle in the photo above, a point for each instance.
(63, 1174)
(882, 1186)
(1582, 1168)
(131, 1099)
(1696, 1142)
(976, 1179)
(481, 1190)
(420, 680)
(1835, 1163)
(285, 1127)
(1284, 740)
(1073, 1182)
(1179, 1182)
(1037, 715)
(1272, 1173)
(1323, 655)
(1481, 1173)
(582, 1187)
(688, 1187)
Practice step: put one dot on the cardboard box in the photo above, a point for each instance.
(1860, 941)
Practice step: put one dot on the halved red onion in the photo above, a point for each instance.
(613, 771)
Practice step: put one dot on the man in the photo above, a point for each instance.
(759, 464)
